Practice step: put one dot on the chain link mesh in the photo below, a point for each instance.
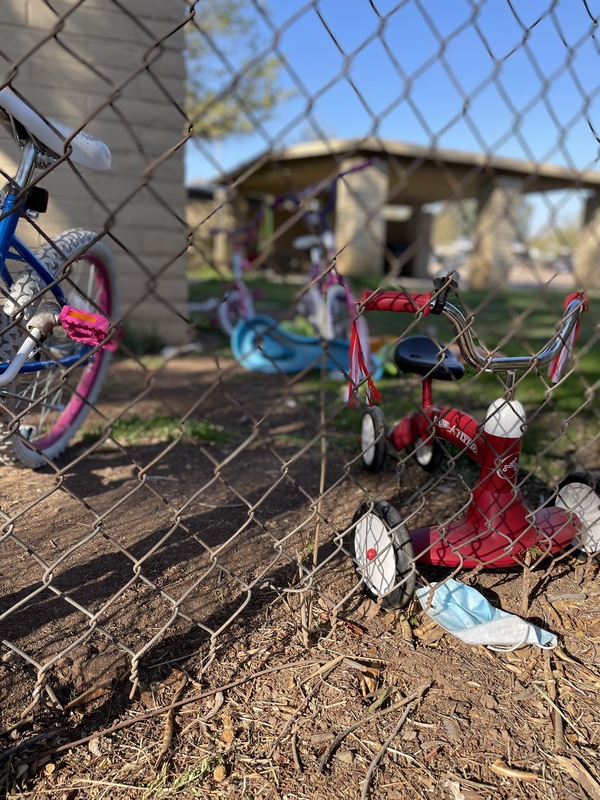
(206, 513)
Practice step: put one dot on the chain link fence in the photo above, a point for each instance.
(211, 591)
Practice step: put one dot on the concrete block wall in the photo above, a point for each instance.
(118, 69)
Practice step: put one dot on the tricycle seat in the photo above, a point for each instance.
(424, 356)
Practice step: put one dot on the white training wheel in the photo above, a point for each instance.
(579, 493)
(383, 553)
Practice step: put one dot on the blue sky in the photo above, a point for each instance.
(518, 79)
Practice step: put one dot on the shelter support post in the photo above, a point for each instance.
(586, 252)
(360, 227)
(496, 231)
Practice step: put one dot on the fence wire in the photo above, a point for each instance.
(238, 487)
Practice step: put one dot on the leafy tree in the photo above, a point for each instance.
(457, 220)
(232, 72)
(558, 237)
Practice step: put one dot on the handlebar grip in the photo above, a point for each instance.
(390, 300)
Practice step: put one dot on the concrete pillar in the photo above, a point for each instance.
(586, 252)
(359, 223)
(226, 218)
(496, 230)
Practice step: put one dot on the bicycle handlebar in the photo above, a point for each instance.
(575, 305)
(248, 229)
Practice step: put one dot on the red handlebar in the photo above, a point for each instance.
(390, 300)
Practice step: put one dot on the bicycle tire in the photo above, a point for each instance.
(382, 551)
(372, 439)
(579, 493)
(44, 410)
(310, 306)
(337, 322)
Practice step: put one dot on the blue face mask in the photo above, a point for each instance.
(465, 613)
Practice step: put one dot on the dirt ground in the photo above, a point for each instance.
(188, 638)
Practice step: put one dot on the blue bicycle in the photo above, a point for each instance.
(56, 305)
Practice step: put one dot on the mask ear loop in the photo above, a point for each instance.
(521, 643)
(513, 647)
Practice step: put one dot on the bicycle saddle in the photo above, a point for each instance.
(424, 356)
(83, 149)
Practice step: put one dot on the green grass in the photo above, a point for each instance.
(189, 782)
(518, 321)
(135, 430)
(280, 294)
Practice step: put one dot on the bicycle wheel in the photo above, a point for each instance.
(337, 322)
(428, 455)
(372, 439)
(228, 314)
(579, 493)
(236, 306)
(48, 407)
(310, 306)
(383, 553)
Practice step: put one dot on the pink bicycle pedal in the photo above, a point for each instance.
(86, 327)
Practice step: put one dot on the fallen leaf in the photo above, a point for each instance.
(454, 790)
(384, 696)
(94, 747)
(369, 609)
(96, 691)
(369, 680)
(429, 635)
(451, 727)
(357, 630)
(580, 774)
(406, 630)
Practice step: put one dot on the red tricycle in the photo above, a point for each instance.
(497, 529)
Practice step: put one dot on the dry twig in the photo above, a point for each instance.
(369, 717)
(383, 750)
(155, 712)
(93, 693)
(501, 768)
(552, 689)
(170, 722)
